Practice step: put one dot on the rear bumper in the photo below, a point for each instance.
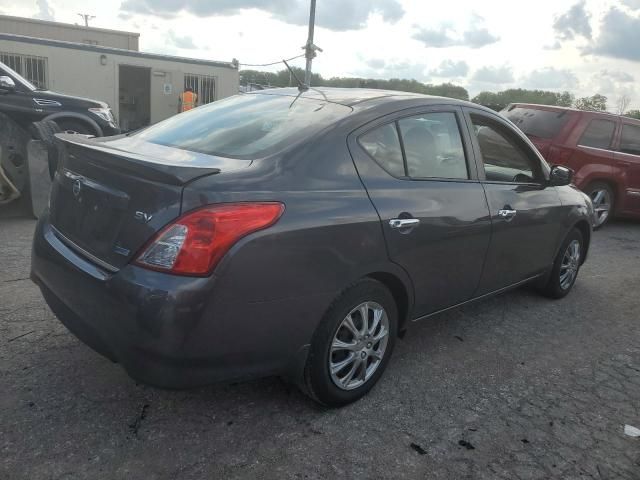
(170, 331)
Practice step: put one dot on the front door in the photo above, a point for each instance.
(627, 158)
(525, 213)
(423, 182)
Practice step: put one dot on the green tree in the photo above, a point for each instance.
(597, 103)
(499, 100)
(633, 114)
(283, 78)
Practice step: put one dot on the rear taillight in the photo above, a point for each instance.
(194, 243)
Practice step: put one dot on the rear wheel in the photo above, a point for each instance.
(352, 345)
(603, 198)
(566, 266)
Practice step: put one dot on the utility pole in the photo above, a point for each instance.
(310, 48)
(86, 17)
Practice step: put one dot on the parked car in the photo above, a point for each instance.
(602, 149)
(298, 234)
(24, 103)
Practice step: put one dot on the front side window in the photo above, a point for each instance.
(599, 134)
(504, 158)
(383, 145)
(433, 146)
(630, 140)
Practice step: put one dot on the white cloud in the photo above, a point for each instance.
(375, 38)
(550, 78)
(494, 75)
(45, 12)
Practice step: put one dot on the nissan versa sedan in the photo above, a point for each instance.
(298, 234)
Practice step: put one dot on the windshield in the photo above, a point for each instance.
(18, 77)
(245, 126)
(537, 123)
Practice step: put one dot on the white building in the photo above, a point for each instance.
(141, 88)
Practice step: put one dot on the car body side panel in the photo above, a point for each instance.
(578, 209)
(445, 253)
(524, 246)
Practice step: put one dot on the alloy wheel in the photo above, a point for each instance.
(358, 346)
(601, 199)
(570, 265)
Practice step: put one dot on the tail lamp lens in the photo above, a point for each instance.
(195, 242)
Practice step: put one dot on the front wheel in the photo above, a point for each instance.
(74, 126)
(566, 266)
(352, 345)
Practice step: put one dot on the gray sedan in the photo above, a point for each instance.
(298, 234)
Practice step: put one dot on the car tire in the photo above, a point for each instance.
(566, 266)
(45, 131)
(603, 199)
(369, 349)
(75, 126)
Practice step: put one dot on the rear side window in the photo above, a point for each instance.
(433, 146)
(598, 134)
(538, 123)
(383, 145)
(245, 126)
(630, 140)
(505, 160)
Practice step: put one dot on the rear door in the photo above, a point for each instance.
(627, 158)
(593, 156)
(421, 178)
(526, 215)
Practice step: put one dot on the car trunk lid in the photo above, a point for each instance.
(110, 197)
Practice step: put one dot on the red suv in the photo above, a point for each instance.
(603, 150)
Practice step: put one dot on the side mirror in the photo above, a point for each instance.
(560, 176)
(7, 83)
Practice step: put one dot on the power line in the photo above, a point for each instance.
(272, 63)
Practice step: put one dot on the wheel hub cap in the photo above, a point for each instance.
(358, 346)
(570, 265)
(602, 205)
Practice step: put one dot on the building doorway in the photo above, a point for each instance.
(134, 97)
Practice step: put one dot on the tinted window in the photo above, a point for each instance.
(383, 145)
(433, 146)
(503, 157)
(245, 126)
(537, 123)
(630, 141)
(598, 134)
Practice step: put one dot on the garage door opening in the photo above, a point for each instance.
(134, 97)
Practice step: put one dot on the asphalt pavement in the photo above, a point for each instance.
(514, 387)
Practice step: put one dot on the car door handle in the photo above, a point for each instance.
(398, 223)
(507, 214)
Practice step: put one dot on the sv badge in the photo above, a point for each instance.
(143, 217)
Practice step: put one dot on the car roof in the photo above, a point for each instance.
(554, 108)
(355, 97)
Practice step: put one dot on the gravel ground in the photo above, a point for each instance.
(515, 387)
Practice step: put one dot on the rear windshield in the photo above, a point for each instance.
(245, 126)
(537, 123)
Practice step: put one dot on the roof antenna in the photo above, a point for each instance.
(301, 86)
(310, 48)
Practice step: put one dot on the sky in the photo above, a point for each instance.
(583, 46)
